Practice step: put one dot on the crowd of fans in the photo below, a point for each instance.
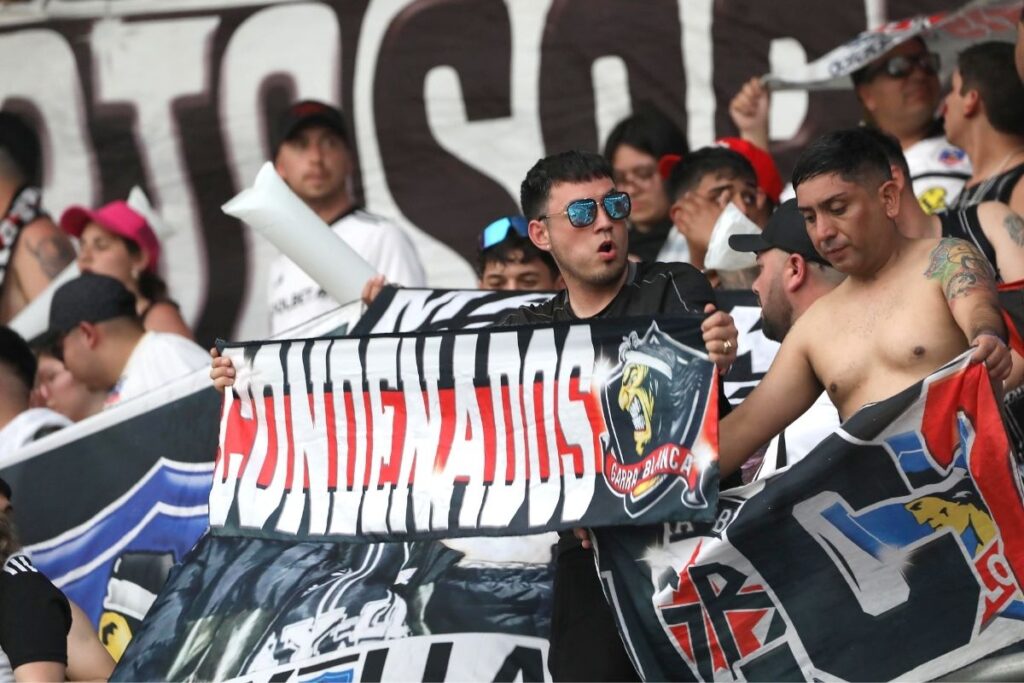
(891, 237)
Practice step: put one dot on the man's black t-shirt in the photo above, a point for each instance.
(34, 616)
(650, 289)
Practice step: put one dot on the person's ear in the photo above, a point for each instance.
(762, 199)
(675, 212)
(972, 103)
(559, 282)
(540, 235)
(889, 193)
(867, 100)
(90, 333)
(794, 272)
(140, 262)
(898, 177)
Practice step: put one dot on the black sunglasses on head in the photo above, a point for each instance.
(583, 212)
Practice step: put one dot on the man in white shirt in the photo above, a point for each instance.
(792, 275)
(19, 424)
(100, 338)
(312, 156)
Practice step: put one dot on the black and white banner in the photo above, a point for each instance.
(448, 434)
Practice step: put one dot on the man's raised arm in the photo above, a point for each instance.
(785, 393)
(968, 284)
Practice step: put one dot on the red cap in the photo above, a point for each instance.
(666, 163)
(768, 177)
(118, 218)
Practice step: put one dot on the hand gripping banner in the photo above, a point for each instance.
(496, 432)
(893, 550)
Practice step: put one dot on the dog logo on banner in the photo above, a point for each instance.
(661, 409)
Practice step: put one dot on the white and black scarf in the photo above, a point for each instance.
(25, 208)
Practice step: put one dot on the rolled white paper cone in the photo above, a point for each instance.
(139, 203)
(34, 319)
(275, 212)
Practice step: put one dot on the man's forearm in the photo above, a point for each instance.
(986, 320)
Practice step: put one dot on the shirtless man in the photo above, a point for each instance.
(906, 307)
(33, 250)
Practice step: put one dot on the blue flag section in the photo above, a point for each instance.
(133, 500)
(893, 550)
(481, 433)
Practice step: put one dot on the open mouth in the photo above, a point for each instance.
(636, 413)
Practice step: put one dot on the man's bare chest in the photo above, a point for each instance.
(883, 339)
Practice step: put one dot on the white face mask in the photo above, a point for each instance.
(720, 255)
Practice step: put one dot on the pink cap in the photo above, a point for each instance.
(768, 177)
(118, 218)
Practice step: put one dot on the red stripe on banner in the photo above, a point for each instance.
(239, 437)
(332, 442)
(539, 420)
(483, 397)
(289, 471)
(350, 440)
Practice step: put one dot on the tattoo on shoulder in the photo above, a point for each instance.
(959, 268)
(54, 253)
(1014, 225)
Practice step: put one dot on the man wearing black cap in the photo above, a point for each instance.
(791, 276)
(97, 333)
(312, 155)
(32, 249)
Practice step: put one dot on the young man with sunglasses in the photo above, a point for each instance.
(578, 215)
(509, 261)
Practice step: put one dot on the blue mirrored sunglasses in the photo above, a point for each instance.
(497, 232)
(583, 212)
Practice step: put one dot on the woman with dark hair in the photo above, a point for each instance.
(117, 241)
(634, 148)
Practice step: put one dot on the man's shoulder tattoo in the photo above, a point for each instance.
(53, 252)
(959, 268)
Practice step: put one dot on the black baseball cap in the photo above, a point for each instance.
(305, 113)
(786, 230)
(89, 298)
